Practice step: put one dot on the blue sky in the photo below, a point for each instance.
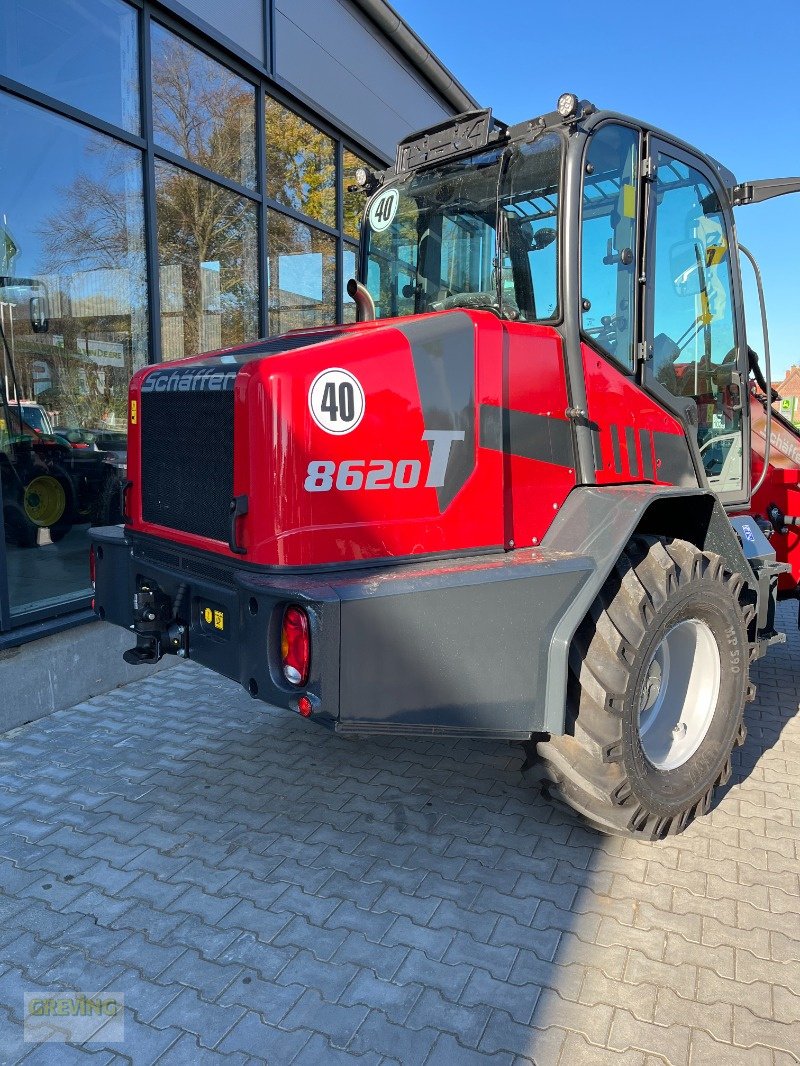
(721, 76)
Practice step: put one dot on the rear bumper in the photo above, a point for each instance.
(456, 647)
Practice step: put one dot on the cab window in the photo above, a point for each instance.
(694, 341)
(608, 241)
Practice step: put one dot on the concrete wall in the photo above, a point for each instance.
(336, 57)
(67, 668)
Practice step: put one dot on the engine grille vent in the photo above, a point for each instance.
(187, 454)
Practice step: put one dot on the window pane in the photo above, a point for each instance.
(73, 307)
(301, 164)
(433, 236)
(208, 260)
(349, 271)
(608, 256)
(302, 275)
(202, 110)
(85, 54)
(353, 201)
(694, 325)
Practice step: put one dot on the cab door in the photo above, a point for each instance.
(695, 345)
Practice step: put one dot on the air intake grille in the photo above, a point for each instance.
(187, 460)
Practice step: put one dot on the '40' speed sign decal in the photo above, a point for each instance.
(336, 401)
(383, 209)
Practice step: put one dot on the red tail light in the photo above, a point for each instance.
(305, 706)
(295, 645)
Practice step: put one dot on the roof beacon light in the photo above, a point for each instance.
(567, 105)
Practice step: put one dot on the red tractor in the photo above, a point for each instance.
(500, 505)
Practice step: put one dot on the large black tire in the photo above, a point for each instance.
(619, 765)
(19, 529)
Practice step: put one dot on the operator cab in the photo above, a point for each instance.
(612, 232)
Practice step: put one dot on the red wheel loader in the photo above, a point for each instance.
(514, 499)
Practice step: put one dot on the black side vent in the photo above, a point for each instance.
(187, 460)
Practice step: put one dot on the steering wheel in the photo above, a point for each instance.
(476, 301)
(605, 335)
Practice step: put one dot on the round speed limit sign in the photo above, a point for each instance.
(383, 209)
(336, 401)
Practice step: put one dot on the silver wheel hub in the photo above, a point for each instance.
(679, 694)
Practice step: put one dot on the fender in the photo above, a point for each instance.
(597, 523)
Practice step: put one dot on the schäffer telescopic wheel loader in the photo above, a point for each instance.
(511, 500)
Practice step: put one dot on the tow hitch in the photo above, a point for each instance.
(156, 622)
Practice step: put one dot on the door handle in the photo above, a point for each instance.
(238, 508)
(736, 390)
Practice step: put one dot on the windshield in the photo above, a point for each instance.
(36, 419)
(432, 239)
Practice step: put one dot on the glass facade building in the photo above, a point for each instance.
(165, 190)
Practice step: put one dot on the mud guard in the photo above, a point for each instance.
(598, 523)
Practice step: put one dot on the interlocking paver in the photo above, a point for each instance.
(378, 1034)
(337, 1021)
(207, 1021)
(264, 1043)
(394, 999)
(272, 1001)
(260, 891)
(517, 1000)
(384, 962)
(436, 1011)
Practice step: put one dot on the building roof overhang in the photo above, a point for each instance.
(397, 30)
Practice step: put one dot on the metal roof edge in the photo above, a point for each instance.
(417, 52)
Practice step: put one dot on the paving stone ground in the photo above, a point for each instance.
(260, 890)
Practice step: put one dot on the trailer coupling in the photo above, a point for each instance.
(158, 625)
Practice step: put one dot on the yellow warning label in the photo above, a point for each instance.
(629, 201)
(715, 253)
(208, 616)
(219, 620)
(134, 412)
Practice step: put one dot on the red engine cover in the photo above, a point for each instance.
(437, 433)
(632, 427)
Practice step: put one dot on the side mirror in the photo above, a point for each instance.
(687, 267)
(542, 238)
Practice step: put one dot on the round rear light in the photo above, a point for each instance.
(305, 706)
(295, 645)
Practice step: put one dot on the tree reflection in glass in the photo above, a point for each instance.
(208, 257)
(301, 164)
(202, 110)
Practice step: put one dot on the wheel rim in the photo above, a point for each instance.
(45, 501)
(680, 694)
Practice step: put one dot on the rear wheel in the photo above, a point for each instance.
(658, 682)
(18, 528)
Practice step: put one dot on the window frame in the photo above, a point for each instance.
(656, 143)
(629, 369)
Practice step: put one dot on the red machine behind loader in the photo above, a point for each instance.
(499, 505)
